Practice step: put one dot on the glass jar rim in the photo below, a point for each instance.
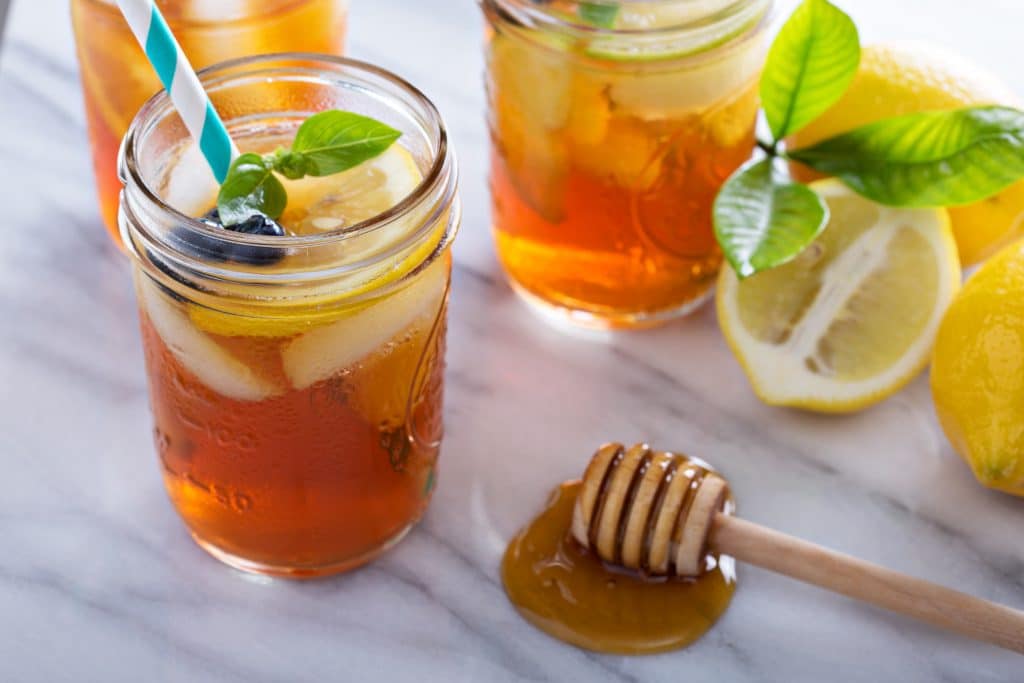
(528, 12)
(160, 105)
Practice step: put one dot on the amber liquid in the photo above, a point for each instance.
(600, 210)
(308, 481)
(569, 593)
(117, 78)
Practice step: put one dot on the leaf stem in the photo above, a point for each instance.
(769, 148)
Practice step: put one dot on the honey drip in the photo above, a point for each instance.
(566, 591)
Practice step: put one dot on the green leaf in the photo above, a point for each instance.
(763, 219)
(334, 141)
(809, 66)
(250, 188)
(326, 143)
(944, 158)
(292, 165)
(598, 14)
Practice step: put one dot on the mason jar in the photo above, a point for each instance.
(613, 125)
(295, 381)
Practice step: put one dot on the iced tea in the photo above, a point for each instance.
(296, 382)
(117, 78)
(609, 145)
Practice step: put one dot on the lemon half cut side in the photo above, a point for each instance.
(853, 318)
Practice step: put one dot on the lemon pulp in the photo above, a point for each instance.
(850, 320)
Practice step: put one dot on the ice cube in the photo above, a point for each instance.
(210, 363)
(190, 187)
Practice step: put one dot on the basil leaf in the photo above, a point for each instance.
(598, 14)
(250, 188)
(334, 141)
(763, 219)
(809, 66)
(291, 165)
(943, 158)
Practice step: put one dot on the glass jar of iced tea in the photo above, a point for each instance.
(613, 125)
(117, 78)
(295, 380)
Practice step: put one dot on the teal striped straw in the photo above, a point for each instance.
(181, 83)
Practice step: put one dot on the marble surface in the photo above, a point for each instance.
(100, 582)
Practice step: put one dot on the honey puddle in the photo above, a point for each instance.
(567, 592)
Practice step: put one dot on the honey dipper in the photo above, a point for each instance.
(637, 509)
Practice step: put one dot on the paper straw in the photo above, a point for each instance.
(181, 83)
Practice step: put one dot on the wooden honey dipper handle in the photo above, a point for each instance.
(839, 573)
(661, 512)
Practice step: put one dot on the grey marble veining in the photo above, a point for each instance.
(100, 582)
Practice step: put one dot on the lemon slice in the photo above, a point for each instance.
(652, 18)
(531, 87)
(853, 318)
(657, 92)
(318, 205)
(532, 81)
(647, 16)
(668, 94)
(327, 203)
(115, 75)
(322, 352)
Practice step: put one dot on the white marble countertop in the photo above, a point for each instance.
(100, 582)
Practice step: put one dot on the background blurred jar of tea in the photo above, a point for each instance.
(613, 127)
(117, 78)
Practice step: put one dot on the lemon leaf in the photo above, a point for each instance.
(928, 159)
(334, 141)
(250, 188)
(809, 66)
(763, 219)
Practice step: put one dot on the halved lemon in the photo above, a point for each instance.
(321, 205)
(854, 317)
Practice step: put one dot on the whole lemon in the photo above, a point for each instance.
(977, 372)
(906, 78)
